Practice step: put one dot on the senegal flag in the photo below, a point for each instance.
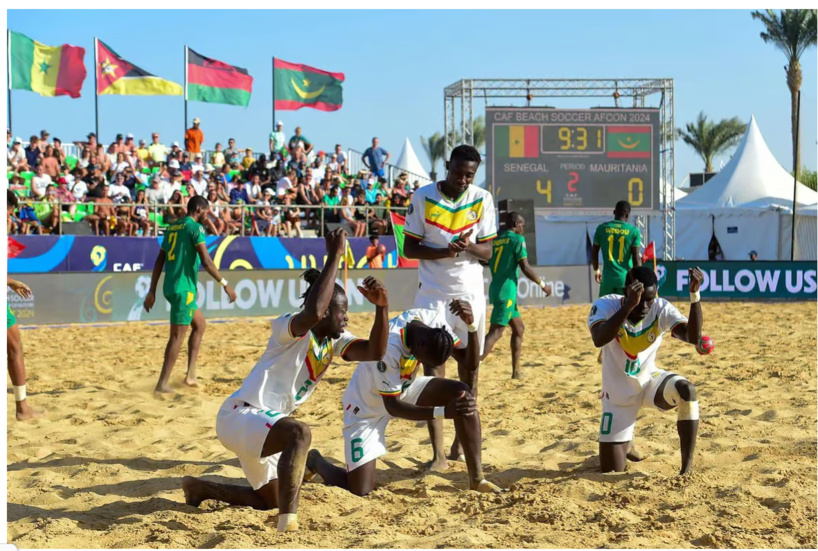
(628, 142)
(517, 141)
(298, 86)
(47, 70)
(398, 221)
(115, 76)
(214, 81)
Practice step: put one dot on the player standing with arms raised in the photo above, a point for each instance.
(509, 256)
(449, 226)
(183, 249)
(629, 330)
(620, 244)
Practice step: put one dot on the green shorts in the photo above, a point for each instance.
(182, 308)
(503, 311)
(12, 320)
(608, 289)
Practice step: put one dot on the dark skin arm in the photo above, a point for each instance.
(459, 407)
(468, 359)
(691, 332)
(637, 258)
(210, 268)
(604, 332)
(318, 300)
(525, 267)
(413, 248)
(374, 348)
(157, 271)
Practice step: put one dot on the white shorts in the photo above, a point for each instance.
(365, 439)
(618, 422)
(243, 430)
(440, 303)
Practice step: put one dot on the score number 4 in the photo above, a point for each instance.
(547, 189)
(636, 189)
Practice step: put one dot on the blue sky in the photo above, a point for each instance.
(398, 62)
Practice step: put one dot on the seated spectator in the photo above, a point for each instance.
(341, 158)
(175, 153)
(378, 217)
(299, 141)
(79, 187)
(118, 146)
(263, 215)
(32, 151)
(43, 141)
(29, 223)
(217, 158)
(253, 189)
(103, 211)
(198, 181)
(238, 196)
(142, 152)
(121, 164)
(370, 193)
(39, 182)
(139, 213)
(103, 160)
(333, 164)
(176, 208)
(231, 154)
(248, 159)
(18, 186)
(291, 215)
(286, 183)
(157, 193)
(64, 195)
(214, 223)
(48, 212)
(375, 253)
(198, 163)
(191, 191)
(117, 190)
(13, 223)
(122, 219)
(275, 223)
(356, 228)
(259, 168)
(17, 157)
(58, 152)
(90, 145)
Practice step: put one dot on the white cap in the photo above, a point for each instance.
(129, 135)
(208, 167)
(279, 123)
(175, 144)
(18, 140)
(196, 120)
(173, 163)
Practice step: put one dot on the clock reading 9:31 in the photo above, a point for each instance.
(574, 139)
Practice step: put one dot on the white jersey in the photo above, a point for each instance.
(290, 368)
(437, 221)
(628, 360)
(397, 369)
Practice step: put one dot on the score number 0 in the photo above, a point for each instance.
(636, 189)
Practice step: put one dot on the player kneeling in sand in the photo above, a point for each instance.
(254, 421)
(381, 390)
(629, 330)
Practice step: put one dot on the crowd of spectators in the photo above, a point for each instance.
(132, 187)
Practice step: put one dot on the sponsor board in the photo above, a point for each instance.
(775, 280)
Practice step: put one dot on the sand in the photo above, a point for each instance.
(103, 469)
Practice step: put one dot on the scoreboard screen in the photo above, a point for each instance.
(570, 159)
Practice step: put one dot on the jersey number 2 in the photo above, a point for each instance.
(172, 243)
(611, 246)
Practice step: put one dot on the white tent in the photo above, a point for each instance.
(408, 162)
(748, 205)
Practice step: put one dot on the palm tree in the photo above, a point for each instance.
(710, 138)
(792, 32)
(478, 129)
(435, 147)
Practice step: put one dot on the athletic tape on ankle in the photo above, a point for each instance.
(19, 393)
(285, 519)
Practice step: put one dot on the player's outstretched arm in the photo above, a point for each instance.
(526, 268)
(317, 303)
(210, 268)
(374, 348)
(150, 298)
(604, 332)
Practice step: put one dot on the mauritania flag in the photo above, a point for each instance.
(115, 76)
(298, 86)
(398, 221)
(47, 70)
(517, 141)
(214, 81)
(629, 142)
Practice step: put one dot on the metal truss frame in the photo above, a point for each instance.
(623, 90)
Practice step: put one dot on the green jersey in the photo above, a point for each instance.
(508, 249)
(181, 259)
(615, 240)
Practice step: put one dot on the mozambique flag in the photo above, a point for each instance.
(214, 81)
(517, 141)
(629, 142)
(47, 70)
(398, 221)
(298, 86)
(115, 76)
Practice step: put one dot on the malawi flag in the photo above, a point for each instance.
(398, 221)
(517, 141)
(629, 142)
(214, 81)
(115, 76)
(47, 70)
(298, 86)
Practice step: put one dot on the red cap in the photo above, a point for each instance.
(62, 180)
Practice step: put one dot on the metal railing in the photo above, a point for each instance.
(246, 213)
(355, 163)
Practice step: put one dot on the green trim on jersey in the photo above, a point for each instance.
(11, 321)
(616, 239)
(181, 259)
(507, 250)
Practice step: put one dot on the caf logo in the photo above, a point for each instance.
(472, 216)
(381, 367)
(651, 336)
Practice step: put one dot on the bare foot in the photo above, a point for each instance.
(191, 382)
(517, 375)
(456, 453)
(486, 487)
(687, 469)
(28, 413)
(163, 389)
(313, 457)
(439, 465)
(634, 454)
(292, 526)
(192, 489)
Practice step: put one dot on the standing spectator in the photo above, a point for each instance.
(39, 183)
(43, 142)
(217, 159)
(17, 157)
(50, 162)
(142, 152)
(341, 158)
(375, 253)
(103, 211)
(375, 158)
(299, 139)
(158, 152)
(90, 145)
(130, 146)
(248, 159)
(277, 139)
(103, 159)
(231, 154)
(118, 146)
(194, 138)
(33, 152)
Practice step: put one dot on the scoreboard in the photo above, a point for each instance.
(574, 159)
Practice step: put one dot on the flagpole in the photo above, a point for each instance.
(96, 90)
(8, 44)
(274, 96)
(185, 129)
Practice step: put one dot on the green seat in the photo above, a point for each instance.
(146, 170)
(27, 176)
(78, 216)
(184, 191)
(71, 161)
(154, 170)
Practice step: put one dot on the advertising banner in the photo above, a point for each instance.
(742, 280)
(101, 297)
(70, 253)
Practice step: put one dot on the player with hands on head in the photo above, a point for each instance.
(255, 423)
(379, 391)
(629, 330)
